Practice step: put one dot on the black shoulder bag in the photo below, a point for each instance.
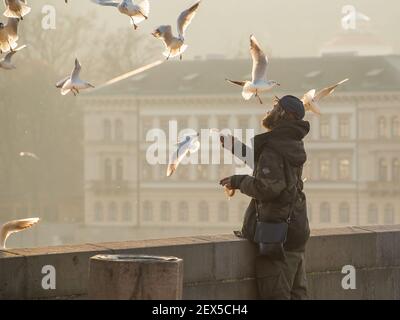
(271, 237)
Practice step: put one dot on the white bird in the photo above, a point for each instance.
(190, 144)
(29, 155)
(137, 12)
(16, 8)
(312, 99)
(9, 35)
(259, 82)
(6, 62)
(175, 46)
(15, 226)
(73, 83)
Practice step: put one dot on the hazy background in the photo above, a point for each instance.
(35, 117)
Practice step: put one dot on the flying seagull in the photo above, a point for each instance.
(259, 82)
(175, 46)
(73, 83)
(190, 144)
(15, 226)
(6, 62)
(16, 9)
(29, 155)
(9, 35)
(312, 99)
(137, 12)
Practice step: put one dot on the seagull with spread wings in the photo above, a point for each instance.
(190, 144)
(15, 226)
(175, 45)
(73, 82)
(312, 99)
(136, 12)
(259, 82)
(16, 9)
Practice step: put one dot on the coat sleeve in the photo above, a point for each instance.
(269, 180)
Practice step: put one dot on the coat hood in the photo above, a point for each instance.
(287, 140)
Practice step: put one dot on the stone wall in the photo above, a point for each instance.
(219, 267)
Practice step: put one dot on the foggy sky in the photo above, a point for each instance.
(287, 27)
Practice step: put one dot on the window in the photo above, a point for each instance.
(396, 127)
(120, 170)
(147, 211)
(325, 128)
(183, 212)
(112, 212)
(344, 169)
(383, 170)
(344, 213)
(223, 212)
(344, 128)
(372, 214)
(203, 212)
(325, 213)
(382, 127)
(396, 170)
(165, 211)
(107, 130)
(389, 214)
(119, 130)
(107, 170)
(203, 172)
(325, 169)
(98, 212)
(127, 212)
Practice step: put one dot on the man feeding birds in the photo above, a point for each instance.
(276, 219)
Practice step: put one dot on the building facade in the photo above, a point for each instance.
(353, 167)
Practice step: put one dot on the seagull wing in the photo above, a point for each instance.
(176, 158)
(12, 28)
(260, 61)
(15, 226)
(8, 56)
(328, 91)
(61, 83)
(238, 83)
(185, 18)
(106, 3)
(77, 70)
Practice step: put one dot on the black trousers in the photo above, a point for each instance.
(282, 280)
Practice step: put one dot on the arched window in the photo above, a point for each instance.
(344, 213)
(344, 169)
(112, 212)
(119, 130)
(372, 214)
(325, 213)
(389, 214)
(382, 127)
(383, 170)
(325, 169)
(165, 211)
(396, 170)
(183, 212)
(396, 127)
(147, 211)
(107, 130)
(223, 212)
(107, 170)
(119, 172)
(203, 211)
(98, 212)
(127, 212)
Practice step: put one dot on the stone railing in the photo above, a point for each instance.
(219, 267)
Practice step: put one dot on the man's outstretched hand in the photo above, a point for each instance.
(233, 182)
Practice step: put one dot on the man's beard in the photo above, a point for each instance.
(271, 120)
